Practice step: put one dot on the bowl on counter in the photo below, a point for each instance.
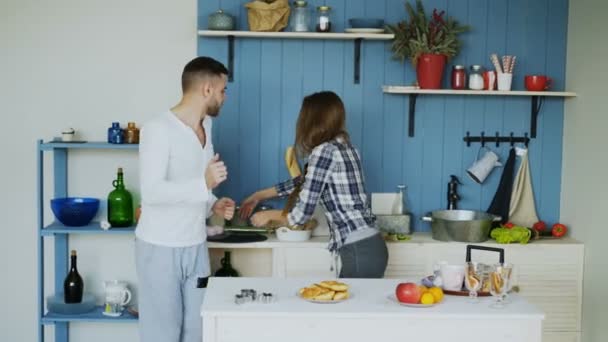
(75, 211)
(460, 225)
(290, 235)
(366, 23)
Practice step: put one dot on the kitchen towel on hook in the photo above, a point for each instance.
(522, 211)
(501, 202)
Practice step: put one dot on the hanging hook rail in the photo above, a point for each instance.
(483, 139)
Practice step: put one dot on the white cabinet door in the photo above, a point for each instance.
(408, 260)
(303, 262)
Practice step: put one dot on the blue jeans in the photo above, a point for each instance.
(365, 258)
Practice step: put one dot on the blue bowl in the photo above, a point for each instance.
(366, 23)
(75, 211)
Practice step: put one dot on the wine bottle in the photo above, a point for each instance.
(73, 284)
(226, 270)
(120, 203)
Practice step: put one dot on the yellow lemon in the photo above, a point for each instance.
(437, 293)
(427, 298)
(422, 288)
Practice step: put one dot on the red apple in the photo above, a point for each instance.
(408, 293)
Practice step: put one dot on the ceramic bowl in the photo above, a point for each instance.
(286, 234)
(366, 23)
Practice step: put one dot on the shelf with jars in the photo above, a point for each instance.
(536, 99)
(357, 37)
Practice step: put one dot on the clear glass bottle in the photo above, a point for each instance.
(120, 203)
(476, 78)
(300, 17)
(323, 19)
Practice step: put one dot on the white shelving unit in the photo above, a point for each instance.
(356, 37)
(536, 98)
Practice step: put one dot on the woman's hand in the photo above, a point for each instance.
(224, 207)
(262, 218)
(248, 205)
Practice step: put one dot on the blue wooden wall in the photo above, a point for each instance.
(272, 76)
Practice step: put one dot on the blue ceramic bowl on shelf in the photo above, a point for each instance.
(75, 211)
(366, 23)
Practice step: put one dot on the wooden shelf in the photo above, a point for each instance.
(92, 228)
(298, 35)
(410, 90)
(91, 145)
(356, 37)
(93, 316)
(536, 99)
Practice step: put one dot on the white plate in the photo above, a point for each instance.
(350, 295)
(364, 30)
(392, 298)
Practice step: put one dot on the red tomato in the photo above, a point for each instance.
(540, 226)
(408, 293)
(558, 230)
(508, 225)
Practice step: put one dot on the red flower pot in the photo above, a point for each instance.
(429, 70)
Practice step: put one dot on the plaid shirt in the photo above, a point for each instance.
(335, 177)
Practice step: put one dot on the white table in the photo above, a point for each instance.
(369, 315)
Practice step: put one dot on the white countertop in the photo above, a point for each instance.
(416, 238)
(369, 299)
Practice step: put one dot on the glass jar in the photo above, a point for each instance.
(323, 19)
(131, 134)
(476, 78)
(459, 77)
(300, 17)
(115, 134)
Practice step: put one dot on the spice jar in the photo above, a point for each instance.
(459, 77)
(323, 19)
(300, 17)
(115, 134)
(476, 78)
(131, 134)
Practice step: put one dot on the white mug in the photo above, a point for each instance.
(452, 277)
(504, 81)
(117, 295)
(481, 168)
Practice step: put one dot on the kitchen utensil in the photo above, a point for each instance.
(481, 168)
(75, 211)
(288, 235)
(537, 82)
(460, 225)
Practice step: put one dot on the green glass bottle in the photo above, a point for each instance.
(120, 204)
(226, 270)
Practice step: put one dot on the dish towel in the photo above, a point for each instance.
(522, 211)
(501, 202)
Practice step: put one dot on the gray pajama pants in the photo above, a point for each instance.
(169, 300)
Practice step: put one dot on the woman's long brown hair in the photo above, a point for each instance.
(322, 118)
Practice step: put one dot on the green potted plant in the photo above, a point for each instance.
(428, 41)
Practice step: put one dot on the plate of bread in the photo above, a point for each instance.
(324, 292)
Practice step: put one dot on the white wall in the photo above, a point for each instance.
(80, 63)
(584, 197)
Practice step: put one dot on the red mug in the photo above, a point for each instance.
(537, 82)
(489, 80)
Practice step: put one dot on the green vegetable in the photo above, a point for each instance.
(509, 235)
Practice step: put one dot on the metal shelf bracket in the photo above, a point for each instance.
(412, 115)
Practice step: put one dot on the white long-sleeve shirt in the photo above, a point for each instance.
(175, 200)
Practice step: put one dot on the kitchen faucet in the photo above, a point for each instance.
(453, 196)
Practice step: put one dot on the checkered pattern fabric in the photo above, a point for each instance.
(335, 178)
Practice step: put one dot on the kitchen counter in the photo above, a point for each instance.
(416, 238)
(369, 315)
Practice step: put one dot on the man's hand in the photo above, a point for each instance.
(224, 207)
(215, 173)
(262, 218)
(248, 205)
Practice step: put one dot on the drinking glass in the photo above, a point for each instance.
(499, 282)
(472, 280)
(507, 270)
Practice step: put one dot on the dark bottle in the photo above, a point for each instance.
(73, 284)
(120, 204)
(226, 270)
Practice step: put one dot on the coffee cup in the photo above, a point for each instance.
(117, 295)
(537, 82)
(482, 167)
(452, 276)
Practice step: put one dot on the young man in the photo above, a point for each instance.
(178, 170)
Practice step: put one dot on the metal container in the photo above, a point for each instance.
(460, 225)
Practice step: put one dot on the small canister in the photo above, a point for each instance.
(476, 78)
(323, 19)
(221, 21)
(115, 134)
(459, 77)
(131, 134)
(68, 134)
(300, 17)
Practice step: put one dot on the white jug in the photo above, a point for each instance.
(451, 277)
(481, 168)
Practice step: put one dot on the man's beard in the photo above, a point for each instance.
(214, 111)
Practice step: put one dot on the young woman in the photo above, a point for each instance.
(334, 178)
